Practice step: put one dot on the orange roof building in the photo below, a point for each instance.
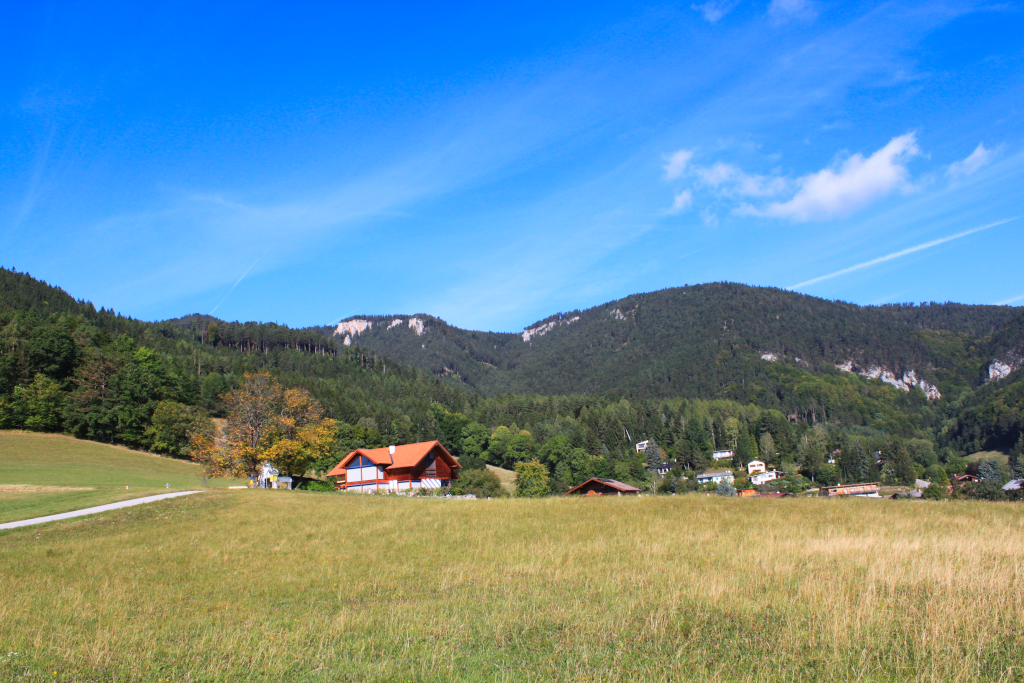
(396, 468)
(870, 490)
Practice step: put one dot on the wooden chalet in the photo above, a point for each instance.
(869, 489)
(396, 468)
(598, 486)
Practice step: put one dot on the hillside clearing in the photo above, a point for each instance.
(263, 585)
(998, 456)
(45, 474)
(506, 477)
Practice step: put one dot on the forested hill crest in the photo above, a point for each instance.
(703, 340)
(661, 365)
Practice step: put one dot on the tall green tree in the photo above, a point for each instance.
(746, 450)
(532, 480)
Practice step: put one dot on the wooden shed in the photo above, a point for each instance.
(598, 486)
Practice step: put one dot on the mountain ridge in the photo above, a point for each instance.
(676, 330)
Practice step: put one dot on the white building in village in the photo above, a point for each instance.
(764, 477)
(716, 477)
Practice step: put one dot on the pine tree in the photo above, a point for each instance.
(746, 450)
(903, 466)
(652, 455)
(988, 470)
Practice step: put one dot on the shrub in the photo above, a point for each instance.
(481, 483)
(531, 480)
(981, 490)
(318, 485)
(934, 492)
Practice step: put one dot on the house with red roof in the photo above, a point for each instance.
(599, 486)
(396, 468)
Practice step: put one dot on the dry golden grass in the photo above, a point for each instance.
(292, 586)
(989, 455)
(506, 477)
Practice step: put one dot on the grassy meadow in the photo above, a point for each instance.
(44, 474)
(301, 586)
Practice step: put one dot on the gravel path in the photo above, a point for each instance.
(94, 510)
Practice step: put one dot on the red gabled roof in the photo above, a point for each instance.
(611, 483)
(406, 455)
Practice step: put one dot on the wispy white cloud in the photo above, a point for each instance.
(681, 202)
(724, 180)
(675, 166)
(783, 10)
(843, 189)
(714, 10)
(731, 181)
(978, 158)
(709, 217)
(900, 253)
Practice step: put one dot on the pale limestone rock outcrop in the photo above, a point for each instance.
(906, 382)
(540, 330)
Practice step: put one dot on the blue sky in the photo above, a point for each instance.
(494, 164)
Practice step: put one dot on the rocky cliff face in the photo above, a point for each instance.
(905, 382)
(1002, 367)
(356, 326)
(540, 330)
(352, 328)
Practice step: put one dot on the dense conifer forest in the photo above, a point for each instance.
(690, 377)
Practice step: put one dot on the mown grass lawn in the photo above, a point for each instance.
(27, 504)
(297, 586)
(39, 474)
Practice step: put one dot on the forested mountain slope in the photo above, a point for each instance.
(714, 340)
(686, 367)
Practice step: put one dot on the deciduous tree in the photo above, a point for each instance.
(266, 422)
(531, 480)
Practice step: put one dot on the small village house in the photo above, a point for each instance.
(666, 467)
(722, 455)
(716, 477)
(641, 446)
(599, 486)
(396, 468)
(764, 477)
(747, 493)
(869, 490)
(756, 467)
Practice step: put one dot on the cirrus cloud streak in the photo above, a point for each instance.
(900, 253)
